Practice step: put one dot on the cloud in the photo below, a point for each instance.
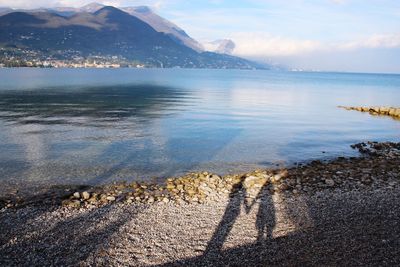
(260, 44)
(27, 4)
(77, 3)
(339, 2)
(374, 41)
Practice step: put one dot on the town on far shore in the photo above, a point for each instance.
(67, 59)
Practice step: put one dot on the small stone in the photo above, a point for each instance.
(72, 203)
(191, 192)
(110, 198)
(276, 178)
(283, 187)
(170, 186)
(216, 177)
(85, 195)
(329, 182)
(150, 200)
(134, 185)
(77, 195)
(92, 200)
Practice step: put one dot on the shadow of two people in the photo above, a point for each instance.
(265, 220)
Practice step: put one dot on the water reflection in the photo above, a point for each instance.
(90, 106)
(89, 133)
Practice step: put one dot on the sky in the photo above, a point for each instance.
(327, 35)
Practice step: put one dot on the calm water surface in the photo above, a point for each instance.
(96, 126)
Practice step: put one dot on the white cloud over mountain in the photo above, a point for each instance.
(264, 45)
(77, 3)
(375, 41)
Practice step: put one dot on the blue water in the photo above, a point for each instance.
(95, 126)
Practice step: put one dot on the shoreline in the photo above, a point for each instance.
(353, 221)
(352, 173)
(344, 212)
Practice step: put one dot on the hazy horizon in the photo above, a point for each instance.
(328, 35)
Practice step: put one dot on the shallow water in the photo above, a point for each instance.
(65, 126)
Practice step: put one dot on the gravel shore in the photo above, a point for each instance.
(342, 212)
(329, 228)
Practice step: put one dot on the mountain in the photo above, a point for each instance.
(5, 10)
(145, 14)
(223, 46)
(90, 8)
(162, 25)
(64, 11)
(106, 33)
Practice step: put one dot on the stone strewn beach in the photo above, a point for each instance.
(380, 165)
(341, 212)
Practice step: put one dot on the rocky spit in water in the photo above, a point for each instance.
(387, 111)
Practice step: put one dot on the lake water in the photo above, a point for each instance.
(87, 126)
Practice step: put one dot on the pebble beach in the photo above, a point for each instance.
(344, 211)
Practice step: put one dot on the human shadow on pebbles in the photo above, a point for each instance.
(350, 232)
(67, 239)
(265, 220)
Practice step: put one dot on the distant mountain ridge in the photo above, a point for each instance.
(142, 12)
(162, 25)
(95, 30)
